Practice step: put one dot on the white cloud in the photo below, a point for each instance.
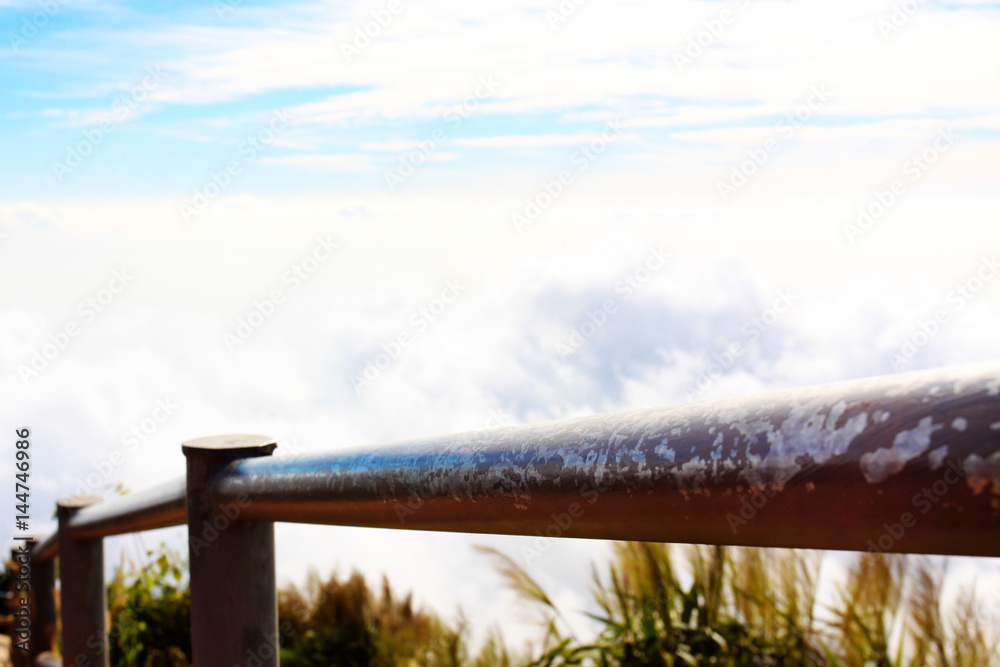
(525, 141)
(322, 162)
(496, 349)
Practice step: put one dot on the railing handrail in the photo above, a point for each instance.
(834, 462)
(384, 486)
(850, 465)
(159, 506)
(46, 548)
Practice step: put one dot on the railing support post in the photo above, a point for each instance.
(234, 609)
(81, 576)
(43, 607)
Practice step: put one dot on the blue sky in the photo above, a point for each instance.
(540, 162)
(223, 70)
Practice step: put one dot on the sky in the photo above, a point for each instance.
(353, 223)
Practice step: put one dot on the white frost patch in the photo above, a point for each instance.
(994, 387)
(693, 474)
(665, 452)
(806, 430)
(694, 467)
(995, 426)
(882, 463)
(959, 424)
(880, 416)
(981, 472)
(937, 456)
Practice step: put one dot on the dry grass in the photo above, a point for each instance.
(715, 605)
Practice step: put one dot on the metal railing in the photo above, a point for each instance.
(900, 463)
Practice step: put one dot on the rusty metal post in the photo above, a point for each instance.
(234, 609)
(43, 606)
(81, 576)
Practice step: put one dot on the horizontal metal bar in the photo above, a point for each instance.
(46, 548)
(157, 507)
(907, 463)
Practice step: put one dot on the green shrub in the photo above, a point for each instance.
(150, 613)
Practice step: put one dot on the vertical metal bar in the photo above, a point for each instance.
(43, 607)
(81, 576)
(234, 609)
